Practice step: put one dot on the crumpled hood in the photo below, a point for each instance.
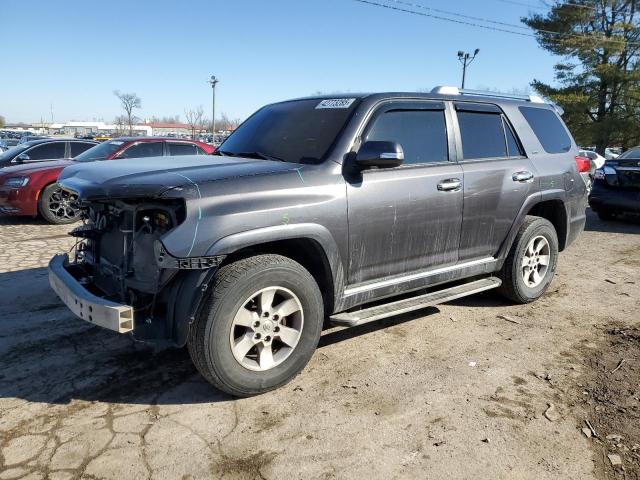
(150, 177)
(30, 167)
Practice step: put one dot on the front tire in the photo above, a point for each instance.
(58, 206)
(259, 326)
(531, 263)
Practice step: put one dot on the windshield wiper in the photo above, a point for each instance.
(261, 155)
(222, 153)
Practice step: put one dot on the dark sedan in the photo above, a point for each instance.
(44, 149)
(616, 187)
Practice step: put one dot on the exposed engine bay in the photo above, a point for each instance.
(118, 246)
(119, 256)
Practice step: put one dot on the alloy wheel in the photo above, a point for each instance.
(266, 328)
(63, 204)
(535, 261)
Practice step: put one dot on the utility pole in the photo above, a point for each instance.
(465, 59)
(213, 81)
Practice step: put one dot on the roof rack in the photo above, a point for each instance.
(447, 90)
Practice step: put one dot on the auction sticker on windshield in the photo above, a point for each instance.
(336, 103)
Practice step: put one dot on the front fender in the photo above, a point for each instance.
(320, 234)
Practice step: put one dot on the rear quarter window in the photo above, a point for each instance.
(548, 128)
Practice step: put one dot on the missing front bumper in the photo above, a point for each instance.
(84, 304)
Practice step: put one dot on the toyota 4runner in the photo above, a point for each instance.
(349, 208)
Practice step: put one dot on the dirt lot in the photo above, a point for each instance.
(450, 392)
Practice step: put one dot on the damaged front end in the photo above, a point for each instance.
(120, 268)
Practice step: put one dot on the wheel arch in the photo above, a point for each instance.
(551, 205)
(38, 195)
(310, 245)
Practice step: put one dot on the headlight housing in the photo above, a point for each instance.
(16, 182)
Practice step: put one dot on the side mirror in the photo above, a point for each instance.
(380, 154)
(23, 157)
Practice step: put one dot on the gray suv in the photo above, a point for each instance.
(347, 209)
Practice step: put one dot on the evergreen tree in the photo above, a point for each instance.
(599, 79)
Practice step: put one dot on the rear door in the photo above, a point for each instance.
(143, 149)
(406, 218)
(183, 148)
(497, 178)
(76, 148)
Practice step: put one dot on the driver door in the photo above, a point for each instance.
(406, 218)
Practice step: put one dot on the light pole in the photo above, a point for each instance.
(465, 59)
(213, 81)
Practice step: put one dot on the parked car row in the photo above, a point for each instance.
(28, 181)
(616, 186)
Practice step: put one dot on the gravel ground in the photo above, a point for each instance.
(449, 392)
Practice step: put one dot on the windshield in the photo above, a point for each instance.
(300, 131)
(99, 152)
(632, 153)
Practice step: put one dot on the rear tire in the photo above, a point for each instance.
(531, 263)
(259, 326)
(58, 206)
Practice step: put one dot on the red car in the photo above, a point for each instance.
(31, 188)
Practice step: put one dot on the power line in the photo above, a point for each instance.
(541, 7)
(486, 20)
(445, 12)
(437, 17)
(486, 27)
(513, 2)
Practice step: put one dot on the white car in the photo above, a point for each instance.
(597, 160)
(612, 153)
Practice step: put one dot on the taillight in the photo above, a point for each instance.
(583, 164)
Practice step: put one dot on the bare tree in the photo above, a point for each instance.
(120, 122)
(2, 121)
(194, 119)
(129, 101)
(226, 124)
(165, 119)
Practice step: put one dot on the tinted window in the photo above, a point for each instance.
(47, 151)
(183, 149)
(13, 152)
(102, 151)
(144, 149)
(300, 131)
(78, 147)
(421, 133)
(482, 135)
(633, 153)
(548, 128)
(513, 146)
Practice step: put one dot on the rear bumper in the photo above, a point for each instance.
(84, 304)
(17, 201)
(603, 198)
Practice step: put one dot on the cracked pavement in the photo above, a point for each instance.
(395, 399)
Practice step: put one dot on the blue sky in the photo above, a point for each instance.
(73, 54)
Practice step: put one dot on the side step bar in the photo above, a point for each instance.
(358, 317)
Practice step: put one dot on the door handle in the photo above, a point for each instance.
(523, 177)
(450, 185)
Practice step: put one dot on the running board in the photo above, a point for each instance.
(358, 317)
